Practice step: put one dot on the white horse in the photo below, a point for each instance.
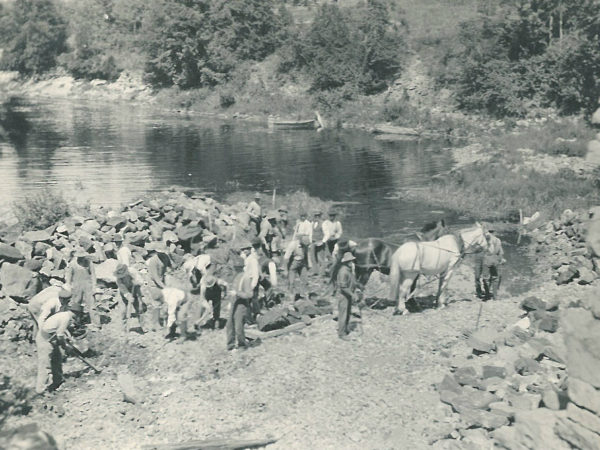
(438, 257)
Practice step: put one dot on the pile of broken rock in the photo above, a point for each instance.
(535, 385)
(571, 242)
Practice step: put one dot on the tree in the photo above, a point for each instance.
(358, 48)
(33, 35)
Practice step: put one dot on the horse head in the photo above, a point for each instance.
(474, 239)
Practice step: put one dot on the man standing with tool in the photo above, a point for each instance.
(346, 283)
(487, 267)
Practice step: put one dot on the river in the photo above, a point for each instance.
(110, 154)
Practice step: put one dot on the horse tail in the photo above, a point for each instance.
(394, 278)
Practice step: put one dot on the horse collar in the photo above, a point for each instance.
(461, 244)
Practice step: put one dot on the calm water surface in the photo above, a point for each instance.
(113, 153)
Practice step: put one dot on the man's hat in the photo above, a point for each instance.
(65, 292)
(121, 270)
(317, 213)
(210, 280)
(302, 213)
(348, 257)
(256, 242)
(257, 195)
(272, 215)
(490, 227)
(282, 208)
(332, 212)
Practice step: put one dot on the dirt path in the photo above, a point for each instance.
(310, 390)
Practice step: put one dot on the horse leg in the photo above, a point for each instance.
(405, 286)
(443, 285)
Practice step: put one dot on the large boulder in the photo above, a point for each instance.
(18, 282)
(532, 429)
(582, 335)
(9, 253)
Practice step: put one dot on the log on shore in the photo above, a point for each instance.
(213, 444)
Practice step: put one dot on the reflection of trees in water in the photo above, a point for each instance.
(34, 141)
(324, 164)
(14, 126)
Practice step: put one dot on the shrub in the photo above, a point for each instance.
(33, 35)
(41, 210)
(226, 99)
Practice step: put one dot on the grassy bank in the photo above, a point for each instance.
(493, 191)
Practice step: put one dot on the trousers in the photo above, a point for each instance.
(344, 308)
(49, 369)
(235, 323)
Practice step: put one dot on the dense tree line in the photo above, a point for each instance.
(517, 55)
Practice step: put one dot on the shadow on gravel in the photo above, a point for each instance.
(414, 305)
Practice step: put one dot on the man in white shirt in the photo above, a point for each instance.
(332, 230)
(47, 302)
(52, 334)
(255, 211)
(123, 251)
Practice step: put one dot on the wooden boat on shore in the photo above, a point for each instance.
(292, 124)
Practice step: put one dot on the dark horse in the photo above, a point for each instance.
(375, 254)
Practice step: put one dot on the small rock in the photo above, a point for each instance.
(523, 401)
(526, 366)
(586, 276)
(494, 371)
(37, 236)
(9, 253)
(533, 303)
(483, 341)
(550, 399)
(466, 376)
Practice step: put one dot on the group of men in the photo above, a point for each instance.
(315, 245)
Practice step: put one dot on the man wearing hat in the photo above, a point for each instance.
(255, 211)
(315, 251)
(51, 300)
(252, 269)
(303, 232)
(268, 233)
(332, 230)
(130, 294)
(294, 261)
(80, 274)
(157, 261)
(244, 292)
(213, 289)
(346, 283)
(52, 334)
(283, 221)
(487, 265)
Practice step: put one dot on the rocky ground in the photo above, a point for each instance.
(307, 389)
(467, 376)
